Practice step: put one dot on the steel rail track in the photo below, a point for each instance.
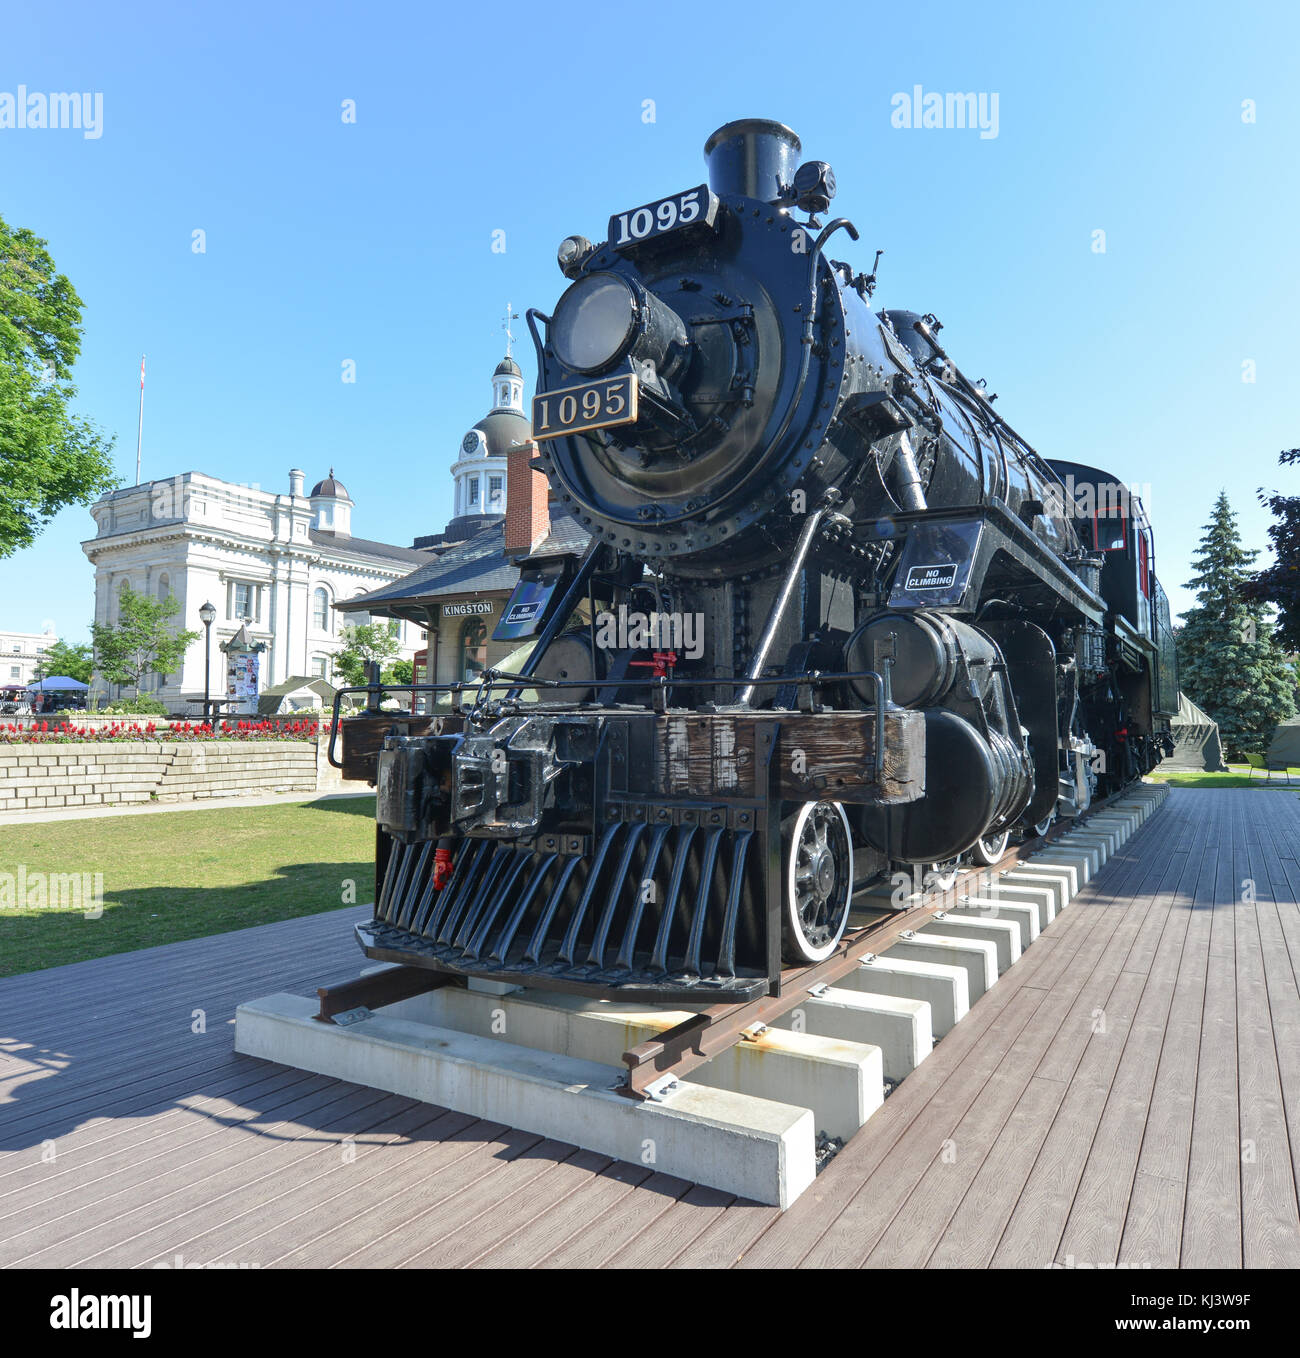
(653, 1065)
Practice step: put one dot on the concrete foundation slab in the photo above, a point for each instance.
(841, 1081)
(1035, 872)
(752, 1147)
(945, 988)
(1024, 916)
(1086, 861)
(1041, 897)
(1124, 821)
(1106, 844)
(1117, 829)
(899, 1027)
(1003, 933)
(977, 956)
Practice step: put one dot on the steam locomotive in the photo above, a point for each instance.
(836, 619)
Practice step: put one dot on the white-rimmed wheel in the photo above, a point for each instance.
(988, 851)
(817, 854)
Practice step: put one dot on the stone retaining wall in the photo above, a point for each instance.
(33, 777)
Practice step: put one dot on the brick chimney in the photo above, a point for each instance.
(528, 515)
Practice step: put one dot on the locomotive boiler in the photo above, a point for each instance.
(836, 619)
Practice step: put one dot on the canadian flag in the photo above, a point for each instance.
(141, 372)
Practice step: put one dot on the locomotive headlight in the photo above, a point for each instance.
(594, 322)
(604, 317)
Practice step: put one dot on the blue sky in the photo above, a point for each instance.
(372, 241)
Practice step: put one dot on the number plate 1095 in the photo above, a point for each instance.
(594, 405)
(694, 210)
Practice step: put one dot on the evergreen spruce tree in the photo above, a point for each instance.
(1228, 661)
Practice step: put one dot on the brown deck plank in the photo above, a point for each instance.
(1096, 1020)
(534, 1180)
(1265, 1023)
(1212, 1219)
(263, 1221)
(725, 1242)
(1116, 1145)
(608, 1235)
(79, 1176)
(378, 1232)
(102, 1229)
(1095, 1224)
(1152, 1232)
(1032, 1234)
(552, 1196)
(802, 1231)
(673, 1231)
(1281, 964)
(1060, 1029)
(599, 1197)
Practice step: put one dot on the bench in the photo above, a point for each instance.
(1270, 766)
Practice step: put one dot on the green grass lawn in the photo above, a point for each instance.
(1238, 777)
(184, 874)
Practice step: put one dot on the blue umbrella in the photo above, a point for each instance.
(59, 683)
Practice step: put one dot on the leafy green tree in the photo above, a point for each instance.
(1228, 660)
(363, 644)
(49, 457)
(77, 662)
(141, 641)
(400, 672)
(1280, 583)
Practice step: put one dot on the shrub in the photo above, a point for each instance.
(135, 707)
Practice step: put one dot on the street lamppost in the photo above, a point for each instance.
(207, 615)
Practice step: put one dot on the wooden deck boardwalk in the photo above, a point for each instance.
(1128, 1093)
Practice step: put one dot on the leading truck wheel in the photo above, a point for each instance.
(818, 861)
(987, 852)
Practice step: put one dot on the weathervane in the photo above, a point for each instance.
(505, 325)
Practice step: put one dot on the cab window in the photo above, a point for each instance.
(1110, 529)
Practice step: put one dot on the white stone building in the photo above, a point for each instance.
(20, 654)
(278, 561)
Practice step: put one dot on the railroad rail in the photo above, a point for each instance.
(654, 1065)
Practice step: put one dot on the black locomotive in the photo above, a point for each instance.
(836, 618)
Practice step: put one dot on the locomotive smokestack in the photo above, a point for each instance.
(754, 157)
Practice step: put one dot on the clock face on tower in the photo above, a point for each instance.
(471, 441)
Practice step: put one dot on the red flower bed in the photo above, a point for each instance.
(43, 733)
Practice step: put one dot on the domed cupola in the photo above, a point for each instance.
(332, 506)
(480, 466)
(505, 424)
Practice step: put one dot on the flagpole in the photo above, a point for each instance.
(139, 429)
